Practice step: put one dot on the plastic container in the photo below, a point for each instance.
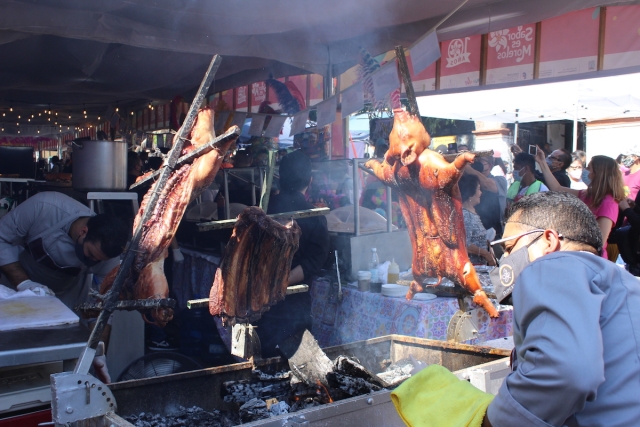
(376, 287)
(364, 281)
(393, 273)
(373, 265)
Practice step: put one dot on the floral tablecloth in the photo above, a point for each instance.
(365, 315)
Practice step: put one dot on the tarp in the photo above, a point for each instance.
(69, 52)
(590, 99)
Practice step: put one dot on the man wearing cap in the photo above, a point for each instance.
(631, 178)
(576, 325)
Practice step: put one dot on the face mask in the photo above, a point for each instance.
(82, 257)
(517, 175)
(628, 161)
(503, 276)
(575, 173)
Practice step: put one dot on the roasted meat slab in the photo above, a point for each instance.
(254, 272)
(146, 278)
(431, 204)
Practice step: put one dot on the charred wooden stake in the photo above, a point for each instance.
(306, 359)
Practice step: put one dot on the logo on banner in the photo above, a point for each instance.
(242, 94)
(259, 92)
(512, 45)
(458, 53)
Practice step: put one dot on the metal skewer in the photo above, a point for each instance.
(86, 357)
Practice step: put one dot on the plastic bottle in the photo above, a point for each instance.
(393, 273)
(373, 266)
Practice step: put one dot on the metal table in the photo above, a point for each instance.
(29, 356)
(27, 346)
(19, 181)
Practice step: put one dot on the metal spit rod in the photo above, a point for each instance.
(230, 223)
(86, 357)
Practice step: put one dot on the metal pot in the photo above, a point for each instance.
(99, 165)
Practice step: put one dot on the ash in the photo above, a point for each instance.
(184, 417)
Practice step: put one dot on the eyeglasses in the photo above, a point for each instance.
(553, 158)
(517, 237)
(574, 167)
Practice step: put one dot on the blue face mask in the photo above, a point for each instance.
(79, 248)
(517, 175)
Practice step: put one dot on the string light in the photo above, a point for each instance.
(11, 108)
(18, 116)
(85, 109)
(98, 117)
(39, 115)
(69, 115)
(132, 113)
(18, 130)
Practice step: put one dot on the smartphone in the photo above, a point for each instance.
(533, 150)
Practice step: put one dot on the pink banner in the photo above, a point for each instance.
(315, 92)
(460, 62)
(258, 95)
(226, 98)
(622, 37)
(510, 54)
(242, 98)
(569, 43)
(299, 83)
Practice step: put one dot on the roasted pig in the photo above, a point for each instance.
(146, 278)
(432, 207)
(254, 272)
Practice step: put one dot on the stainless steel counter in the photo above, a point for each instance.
(28, 346)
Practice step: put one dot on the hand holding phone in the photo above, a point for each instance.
(533, 150)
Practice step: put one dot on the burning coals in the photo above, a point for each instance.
(184, 417)
(268, 395)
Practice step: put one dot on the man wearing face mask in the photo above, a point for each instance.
(576, 321)
(631, 178)
(559, 161)
(524, 180)
(50, 241)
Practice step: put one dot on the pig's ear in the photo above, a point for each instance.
(408, 156)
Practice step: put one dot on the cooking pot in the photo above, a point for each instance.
(99, 165)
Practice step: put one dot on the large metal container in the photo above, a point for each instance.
(99, 166)
(202, 388)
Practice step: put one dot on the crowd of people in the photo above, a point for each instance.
(608, 187)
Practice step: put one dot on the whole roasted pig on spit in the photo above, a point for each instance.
(146, 279)
(431, 205)
(254, 272)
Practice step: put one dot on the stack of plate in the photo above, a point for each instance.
(394, 291)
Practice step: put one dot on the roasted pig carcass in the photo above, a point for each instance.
(432, 207)
(254, 272)
(146, 278)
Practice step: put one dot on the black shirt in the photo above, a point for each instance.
(314, 241)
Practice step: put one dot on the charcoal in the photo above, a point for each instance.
(350, 385)
(254, 410)
(184, 417)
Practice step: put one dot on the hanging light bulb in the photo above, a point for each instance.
(39, 115)
(11, 108)
(18, 116)
(56, 113)
(2, 129)
(98, 117)
(67, 127)
(85, 116)
(132, 113)
(4, 114)
(18, 131)
(38, 130)
(28, 120)
(69, 115)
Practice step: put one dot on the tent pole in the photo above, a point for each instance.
(575, 130)
(515, 134)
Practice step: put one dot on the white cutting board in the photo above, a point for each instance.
(34, 312)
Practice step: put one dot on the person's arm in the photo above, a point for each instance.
(605, 224)
(475, 250)
(486, 184)
(15, 273)
(560, 359)
(296, 275)
(549, 179)
(14, 228)
(628, 212)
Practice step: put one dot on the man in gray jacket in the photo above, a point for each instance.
(576, 320)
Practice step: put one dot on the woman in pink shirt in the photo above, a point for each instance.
(602, 195)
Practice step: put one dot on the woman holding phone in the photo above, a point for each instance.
(602, 195)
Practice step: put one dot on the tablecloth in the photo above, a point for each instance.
(365, 315)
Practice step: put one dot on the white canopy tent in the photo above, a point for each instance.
(587, 100)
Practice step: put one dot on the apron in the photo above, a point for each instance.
(71, 288)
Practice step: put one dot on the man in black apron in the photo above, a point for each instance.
(51, 241)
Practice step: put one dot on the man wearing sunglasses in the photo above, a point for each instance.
(559, 161)
(576, 319)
